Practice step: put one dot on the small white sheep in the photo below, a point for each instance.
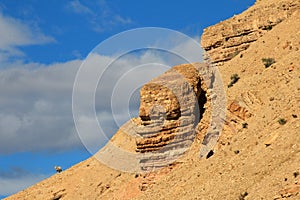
(58, 169)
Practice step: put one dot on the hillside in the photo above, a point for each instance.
(257, 155)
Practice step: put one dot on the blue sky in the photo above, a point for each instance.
(42, 44)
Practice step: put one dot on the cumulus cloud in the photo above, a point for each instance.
(35, 108)
(16, 33)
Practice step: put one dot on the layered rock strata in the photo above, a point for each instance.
(169, 112)
(171, 107)
(229, 38)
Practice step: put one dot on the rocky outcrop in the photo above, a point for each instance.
(171, 107)
(227, 39)
(169, 113)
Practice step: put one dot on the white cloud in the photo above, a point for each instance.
(79, 8)
(122, 20)
(184, 50)
(16, 33)
(99, 15)
(35, 108)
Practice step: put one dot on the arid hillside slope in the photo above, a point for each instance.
(258, 153)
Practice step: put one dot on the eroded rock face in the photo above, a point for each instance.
(227, 39)
(165, 91)
(171, 107)
(169, 112)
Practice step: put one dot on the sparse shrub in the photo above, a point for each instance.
(268, 61)
(281, 121)
(234, 78)
(245, 125)
(296, 174)
(243, 196)
(269, 27)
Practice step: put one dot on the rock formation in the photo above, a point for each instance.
(171, 107)
(169, 112)
(230, 37)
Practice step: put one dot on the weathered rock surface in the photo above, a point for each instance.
(169, 112)
(170, 109)
(227, 39)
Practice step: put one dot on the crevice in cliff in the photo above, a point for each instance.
(202, 99)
